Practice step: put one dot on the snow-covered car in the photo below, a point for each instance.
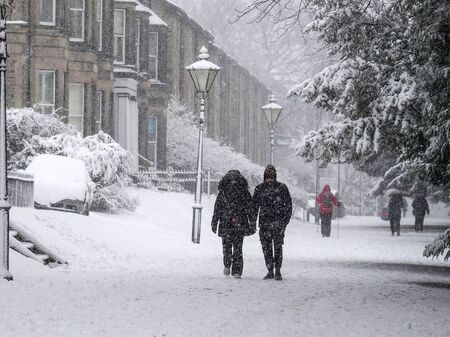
(61, 183)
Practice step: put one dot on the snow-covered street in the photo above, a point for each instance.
(138, 274)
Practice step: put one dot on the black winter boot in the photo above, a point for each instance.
(269, 275)
(278, 275)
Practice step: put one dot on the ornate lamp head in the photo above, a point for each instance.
(203, 72)
(272, 111)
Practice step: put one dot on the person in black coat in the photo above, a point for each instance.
(233, 219)
(272, 203)
(420, 207)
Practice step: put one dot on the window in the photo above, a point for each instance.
(138, 43)
(119, 35)
(98, 111)
(47, 12)
(47, 91)
(76, 105)
(152, 139)
(99, 30)
(76, 20)
(153, 55)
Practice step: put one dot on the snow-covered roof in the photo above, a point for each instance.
(17, 22)
(118, 69)
(154, 18)
(128, 1)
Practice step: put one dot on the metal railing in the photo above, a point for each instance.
(183, 181)
(20, 189)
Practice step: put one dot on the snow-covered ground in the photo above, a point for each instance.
(138, 274)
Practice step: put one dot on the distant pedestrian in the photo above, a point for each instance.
(325, 200)
(233, 219)
(420, 207)
(396, 205)
(272, 203)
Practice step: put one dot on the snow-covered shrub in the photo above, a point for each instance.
(182, 144)
(182, 140)
(32, 133)
(439, 246)
(25, 123)
(112, 198)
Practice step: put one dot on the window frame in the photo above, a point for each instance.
(121, 36)
(83, 22)
(151, 142)
(155, 56)
(138, 44)
(48, 23)
(41, 88)
(98, 122)
(82, 85)
(99, 20)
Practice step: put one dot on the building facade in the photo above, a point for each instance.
(233, 114)
(112, 65)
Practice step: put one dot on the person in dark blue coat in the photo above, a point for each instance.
(420, 207)
(233, 219)
(272, 203)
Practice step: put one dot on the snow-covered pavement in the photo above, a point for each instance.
(138, 274)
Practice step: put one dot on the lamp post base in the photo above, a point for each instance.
(196, 222)
(6, 275)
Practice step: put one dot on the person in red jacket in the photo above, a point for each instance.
(325, 200)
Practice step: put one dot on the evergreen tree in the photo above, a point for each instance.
(390, 90)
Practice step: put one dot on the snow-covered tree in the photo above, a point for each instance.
(31, 133)
(182, 140)
(390, 90)
(182, 143)
(439, 246)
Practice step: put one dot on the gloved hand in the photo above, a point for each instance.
(214, 229)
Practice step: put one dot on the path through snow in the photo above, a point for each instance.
(138, 275)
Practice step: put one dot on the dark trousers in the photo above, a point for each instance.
(325, 224)
(419, 221)
(232, 253)
(272, 247)
(395, 223)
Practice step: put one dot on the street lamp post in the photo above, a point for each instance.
(272, 113)
(5, 5)
(203, 73)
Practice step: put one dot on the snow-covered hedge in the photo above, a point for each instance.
(31, 133)
(439, 246)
